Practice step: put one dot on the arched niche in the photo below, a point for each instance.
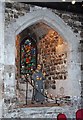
(41, 44)
(55, 22)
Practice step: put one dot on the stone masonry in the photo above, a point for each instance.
(74, 21)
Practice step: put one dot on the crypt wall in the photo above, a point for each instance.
(17, 21)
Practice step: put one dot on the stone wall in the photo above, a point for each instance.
(13, 11)
(1, 55)
(75, 21)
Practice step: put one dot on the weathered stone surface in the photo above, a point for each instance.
(66, 17)
(73, 21)
(15, 10)
(46, 112)
(9, 68)
(81, 34)
(8, 5)
(76, 30)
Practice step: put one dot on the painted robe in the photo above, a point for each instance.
(38, 78)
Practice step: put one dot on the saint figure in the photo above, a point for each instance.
(38, 78)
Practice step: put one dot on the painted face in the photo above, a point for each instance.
(38, 67)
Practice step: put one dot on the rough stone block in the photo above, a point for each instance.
(9, 68)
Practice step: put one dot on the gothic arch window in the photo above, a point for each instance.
(40, 43)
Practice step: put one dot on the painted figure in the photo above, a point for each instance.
(38, 78)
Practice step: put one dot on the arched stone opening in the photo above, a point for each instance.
(58, 25)
(41, 44)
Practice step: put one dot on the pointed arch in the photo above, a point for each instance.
(55, 22)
